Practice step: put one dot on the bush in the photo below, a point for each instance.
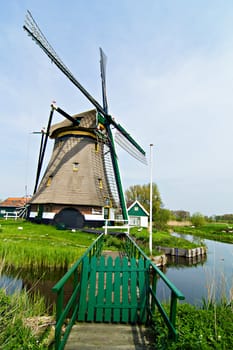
(198, 219)
(113, 242)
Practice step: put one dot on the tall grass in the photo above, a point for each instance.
(24, 244)
(15, 310)
(22, 319)
(37, 255)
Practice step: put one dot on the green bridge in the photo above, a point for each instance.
(120, 290)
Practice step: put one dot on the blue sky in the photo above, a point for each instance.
(169, 83)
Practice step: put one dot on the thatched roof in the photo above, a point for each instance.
(88, 120)
(76, 173)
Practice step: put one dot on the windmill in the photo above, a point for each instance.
(82, 183)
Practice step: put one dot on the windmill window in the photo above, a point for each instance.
(107, 202)
(96, 211)
(49, 181)
(75, 166)
(96, 147)
(100, 183)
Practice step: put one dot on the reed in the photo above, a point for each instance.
(16, 310)
(24, 244)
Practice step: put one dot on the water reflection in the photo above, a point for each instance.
(10, 284)
(211, 278)
(181, 261)
(38, 281)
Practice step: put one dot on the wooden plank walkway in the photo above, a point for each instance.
(96, 336)
(106, 336)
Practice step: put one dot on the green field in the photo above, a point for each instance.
(215, 231)
(161, 239)
(24, 244)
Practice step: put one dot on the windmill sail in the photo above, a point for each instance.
(95, 189)
(34, 31)
(123, 142)
(103, 61)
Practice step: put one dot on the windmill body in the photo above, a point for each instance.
(75, 189)
(82, 183)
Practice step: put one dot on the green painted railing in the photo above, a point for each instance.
(133, 250)
(67, 309)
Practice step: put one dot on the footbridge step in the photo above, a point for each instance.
(96, 336)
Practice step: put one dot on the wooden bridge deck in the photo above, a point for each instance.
(96, 336)
(105, 336)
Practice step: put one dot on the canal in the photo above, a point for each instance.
(203, 278)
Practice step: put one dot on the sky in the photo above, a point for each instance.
(169, 83)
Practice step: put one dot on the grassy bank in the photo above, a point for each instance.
(210, 327)
(160, 239)
(215, 231)
(24, 244)
(24, 323)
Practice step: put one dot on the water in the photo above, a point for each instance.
(34, 281)
(10, 284)
(201, 278)
(208, 278)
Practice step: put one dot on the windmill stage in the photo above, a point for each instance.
(81, 185)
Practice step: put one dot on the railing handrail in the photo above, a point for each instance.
(177, 292)
(72, 305)
(69, 273)
(124, 226)
(61, 311)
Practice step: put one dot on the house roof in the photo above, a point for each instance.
(14, 202)
(133, 211)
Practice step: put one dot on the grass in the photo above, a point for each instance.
(21, 322)
(162, 239)
(209, 327)
(24, 244)
(27, 245)
(214, 231)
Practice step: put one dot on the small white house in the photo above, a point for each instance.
(138, 216)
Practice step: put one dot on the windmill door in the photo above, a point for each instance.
(114, 290)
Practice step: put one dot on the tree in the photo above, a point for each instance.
(198, 219)
(142, 194)
(181, 215)
(161, 218)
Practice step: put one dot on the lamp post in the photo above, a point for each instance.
(151, 190)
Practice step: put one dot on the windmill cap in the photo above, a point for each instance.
(88, 120)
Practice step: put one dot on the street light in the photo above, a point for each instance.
(151, 190)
